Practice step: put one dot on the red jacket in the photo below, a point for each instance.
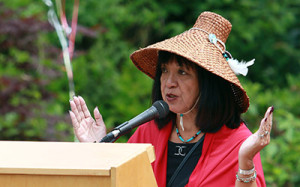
(218, 163)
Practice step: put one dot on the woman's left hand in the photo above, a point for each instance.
(256, 142)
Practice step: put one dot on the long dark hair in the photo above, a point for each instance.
(216, 107)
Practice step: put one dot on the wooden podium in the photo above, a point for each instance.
(64, 164)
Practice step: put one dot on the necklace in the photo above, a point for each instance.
(181, 115)
(179, 136)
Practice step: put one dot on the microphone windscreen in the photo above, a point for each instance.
(162, 108)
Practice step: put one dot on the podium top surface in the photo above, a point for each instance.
(67, 158)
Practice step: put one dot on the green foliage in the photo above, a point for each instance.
(34, 88)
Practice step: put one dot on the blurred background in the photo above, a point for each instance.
(34, 92)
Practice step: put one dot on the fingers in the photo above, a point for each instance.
(266, 126)
(78, 106)
(266, 123)
(98, 117)
(75, 111)
(74, 120)
(84, 108)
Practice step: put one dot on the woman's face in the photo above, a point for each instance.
(179, 86)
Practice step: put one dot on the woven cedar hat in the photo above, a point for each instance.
(194, 45)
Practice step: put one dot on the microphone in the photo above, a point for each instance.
(159, 109)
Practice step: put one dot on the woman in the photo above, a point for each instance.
(202, 141)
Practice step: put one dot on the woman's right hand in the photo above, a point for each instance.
(85, 127)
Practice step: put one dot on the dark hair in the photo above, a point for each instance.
(216, 107)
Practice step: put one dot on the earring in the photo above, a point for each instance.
(181, 121)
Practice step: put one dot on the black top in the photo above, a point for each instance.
(176, 153)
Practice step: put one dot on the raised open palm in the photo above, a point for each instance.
(257, 141)
(86, 128)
